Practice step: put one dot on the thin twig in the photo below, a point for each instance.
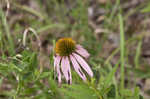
(34, 32)
(8, 7)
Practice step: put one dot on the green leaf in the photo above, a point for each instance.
(112, 93)
(44, 75)
(141, 97)
(146, 9)
(141, 73)
(54, 91)
(110, 76)
(4, 66)
(81, 91)
(126, 92)
(136, 93)
(33, 62)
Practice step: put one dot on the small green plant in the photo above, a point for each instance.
(33, 63)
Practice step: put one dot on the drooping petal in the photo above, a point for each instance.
(65, 67)
(55, 60)
(77, 67)
(84, 65)
(57, 66)
(83, 52)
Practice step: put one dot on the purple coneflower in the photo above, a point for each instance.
(66, 52)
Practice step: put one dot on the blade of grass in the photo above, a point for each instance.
(19, 86)
(1, 44)
(6, 29)
(116, 88)
(0, 36)
(137, 56)
(138, 52)
(122, 51)
(111, 75)
(51, 26)
(30, 10)
(131, 40)
(116, 6)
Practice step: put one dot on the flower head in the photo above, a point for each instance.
(67, 52)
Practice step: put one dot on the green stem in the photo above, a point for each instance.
(127, 42)
(122, 51)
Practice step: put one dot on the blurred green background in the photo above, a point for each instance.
(116, 33)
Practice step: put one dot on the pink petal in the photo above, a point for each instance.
(65, 67)
(83, 52)
(56, 65)
(55, 61)
(84, 65)
(77, 67)
(79, 46)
